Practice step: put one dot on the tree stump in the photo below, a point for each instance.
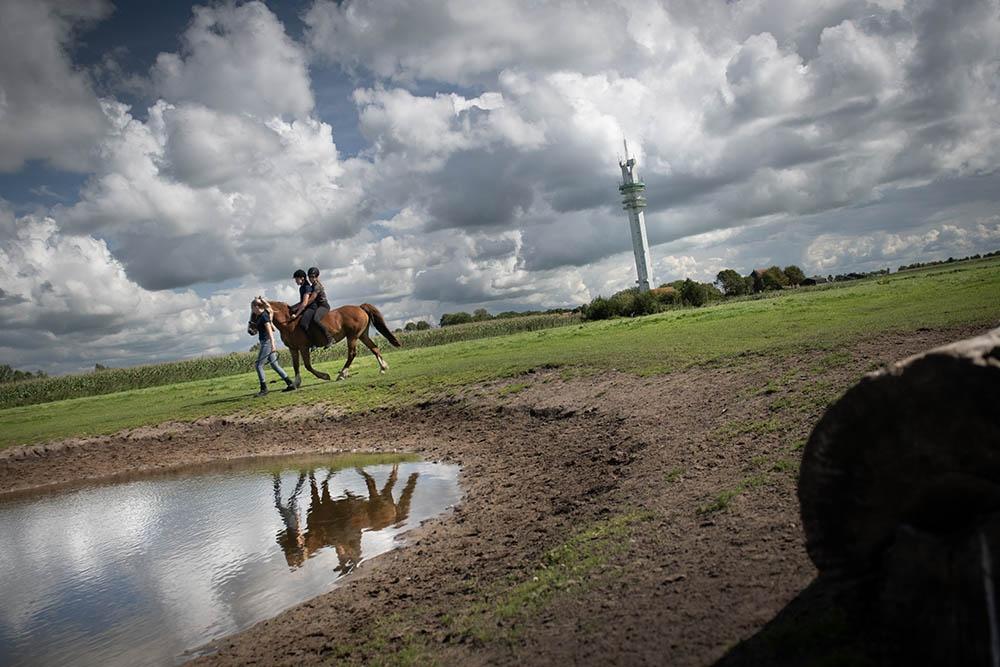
(900, 486)
(917, 444)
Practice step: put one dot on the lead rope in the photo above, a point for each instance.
(991, 607)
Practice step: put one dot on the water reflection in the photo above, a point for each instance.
(338, 522)
(192, 558)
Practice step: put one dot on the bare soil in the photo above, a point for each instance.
(700, 464)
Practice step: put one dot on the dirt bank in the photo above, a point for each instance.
(606, 517)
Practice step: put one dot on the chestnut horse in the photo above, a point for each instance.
(349, 322)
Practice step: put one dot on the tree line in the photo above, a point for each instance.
(483, 315)
(687, 292)
(8, 374)
(950, 260)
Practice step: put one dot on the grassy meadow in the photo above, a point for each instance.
(791, 322)
(111, 380)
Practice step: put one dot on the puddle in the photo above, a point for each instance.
(147, 570)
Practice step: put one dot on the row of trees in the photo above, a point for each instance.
(950, 260)
(632, 302)
(760, 280)
(482, 315)
(420, 325)
(728, 283)
(8, 374)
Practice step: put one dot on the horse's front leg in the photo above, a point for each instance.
(305, 358)
(295, 365)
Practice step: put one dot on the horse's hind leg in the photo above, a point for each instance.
(374, 348)
(295, 365)
(352, 351)
(320, 374)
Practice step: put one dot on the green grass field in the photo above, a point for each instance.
(111, 380)
(794, 321)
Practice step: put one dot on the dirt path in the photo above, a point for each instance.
(606, 518)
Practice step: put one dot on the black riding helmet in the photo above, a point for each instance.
(313, 272)
(299, 273)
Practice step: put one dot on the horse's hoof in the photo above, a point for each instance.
(298, 382)
(381, 371)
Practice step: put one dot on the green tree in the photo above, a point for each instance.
(774, 278)
(712, 293)
(423, 325)
(8, 374)
(794, 274)
(644, 303)
(481, 315)
(599, 309)
(666, 295)
(677, 285)
(732, 283)
(693, 294)
(460, 317)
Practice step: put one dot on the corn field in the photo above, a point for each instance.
(107, 381)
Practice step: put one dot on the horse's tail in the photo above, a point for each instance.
(379, 322)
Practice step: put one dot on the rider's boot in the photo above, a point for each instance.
(263, 390)
(289, 385)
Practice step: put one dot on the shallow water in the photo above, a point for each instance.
(147, 570)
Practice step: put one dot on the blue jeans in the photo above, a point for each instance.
(268, 356)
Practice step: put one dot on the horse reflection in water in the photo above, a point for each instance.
(338, 522)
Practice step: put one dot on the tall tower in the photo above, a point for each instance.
(633, 202)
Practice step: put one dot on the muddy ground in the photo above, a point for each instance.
(606, 518)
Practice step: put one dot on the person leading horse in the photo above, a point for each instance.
(350, 322)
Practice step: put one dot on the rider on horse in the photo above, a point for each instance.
(319, 298)
(312, 305)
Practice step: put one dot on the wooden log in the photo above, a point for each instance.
(915, 447)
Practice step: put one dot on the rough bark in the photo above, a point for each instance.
(900, 492)
(917, 444)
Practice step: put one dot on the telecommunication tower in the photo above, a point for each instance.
(633, 201)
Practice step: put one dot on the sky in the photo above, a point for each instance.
(163, 163)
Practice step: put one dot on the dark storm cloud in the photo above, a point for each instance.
(446, 285)
(478, 189)
(48, 109)
(495, 248)
(574, 240)
(7, 299)
(158, 263)
(903, 209)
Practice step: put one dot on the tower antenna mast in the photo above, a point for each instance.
(633, 201)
